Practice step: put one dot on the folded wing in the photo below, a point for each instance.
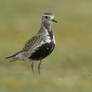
(33, 43)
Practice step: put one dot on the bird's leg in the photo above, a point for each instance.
(39, 66)
(32, 65)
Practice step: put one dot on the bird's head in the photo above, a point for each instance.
(48, 18)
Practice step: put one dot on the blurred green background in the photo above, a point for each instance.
(69, 67)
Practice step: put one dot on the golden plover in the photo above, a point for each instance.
(40, 45)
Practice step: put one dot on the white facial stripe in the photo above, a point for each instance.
(54, 39)
(46, 31)
(51, 16)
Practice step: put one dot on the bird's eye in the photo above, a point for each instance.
(46, 17)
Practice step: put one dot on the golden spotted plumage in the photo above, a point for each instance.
(32, 44)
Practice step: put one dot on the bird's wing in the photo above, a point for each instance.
(33, 43)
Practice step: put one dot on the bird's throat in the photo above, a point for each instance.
(46, 26)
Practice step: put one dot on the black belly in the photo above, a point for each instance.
(42, 51)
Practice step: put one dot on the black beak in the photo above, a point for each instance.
(53, 20)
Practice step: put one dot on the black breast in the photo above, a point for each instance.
(42, 51)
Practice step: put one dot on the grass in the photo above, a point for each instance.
(69, 67)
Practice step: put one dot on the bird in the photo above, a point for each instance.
(40, 45)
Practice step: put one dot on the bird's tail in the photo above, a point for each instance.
(14, 57)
